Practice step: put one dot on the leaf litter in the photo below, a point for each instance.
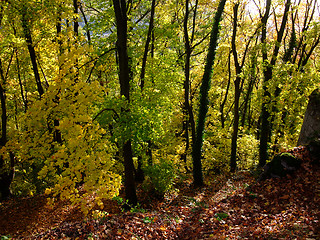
(227, 208)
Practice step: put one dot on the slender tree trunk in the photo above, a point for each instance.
(264, 128)
(233, 159)
(32, 52)
(75, 23)
(86, 23)
(24, 100)
(222, 105)
(76, 34)
(6, 176)
(57, 137)
(267, 76)
(139, 172)
(124, 78)
(146, 47)
(188, 120)
(238, 86)
(247, 100)
(204, 89)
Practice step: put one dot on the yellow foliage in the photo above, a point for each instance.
(84, 158)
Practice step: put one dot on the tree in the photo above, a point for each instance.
(267, 76)
(203, 107)
(188, 120)
(25, 22)
(139, 174)
(238, 83)
(120, 10)
(6, 165)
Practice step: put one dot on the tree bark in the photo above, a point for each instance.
(146, 47)
(32, 52)
(188, 119)
(204, 89)
(233, 159)
(139, 173)
(222, 105)
(238, 86)
(124, 78)
(267, 76)
(6, 176)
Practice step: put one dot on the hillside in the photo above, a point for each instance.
(227, 208)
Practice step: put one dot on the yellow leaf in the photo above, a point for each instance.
(163, 228)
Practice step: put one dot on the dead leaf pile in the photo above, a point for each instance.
(239, 207)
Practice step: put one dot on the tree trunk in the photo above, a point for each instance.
(139, 173)
(32, 52)
(252, 81)
(204, 89)
(267, 76)
(188, 118)
(75, 23)
(146, 47)
(6, 176)
(124, 78)
(233, 159)
(222, 105)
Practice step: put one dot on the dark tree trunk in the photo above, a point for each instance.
(233, 159)
(6, 172)
(86, 23)
(76, 34)
(32, 52)
(204, 89)
(6, 176)
(187, 107)
(222, 105)
(57, 137)
(139, 173)
(75, 24)
(267, 73)
(238, 86)
(264, 127)
(24, 99)
(146, 47)
(124, 78)
(247, 99)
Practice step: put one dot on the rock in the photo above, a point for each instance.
(280, 166)
(314, 150)
(310, 129)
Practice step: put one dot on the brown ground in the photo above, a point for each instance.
(286, 208)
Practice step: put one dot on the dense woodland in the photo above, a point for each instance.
(97, 95)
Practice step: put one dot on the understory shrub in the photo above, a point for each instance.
(159, 177)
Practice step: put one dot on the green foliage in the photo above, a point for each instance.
(221, 216)
(100, 215)
(160, 177)
(5, 237)
(148, 219)
(217, 151)
(82, 94)
(248, 147)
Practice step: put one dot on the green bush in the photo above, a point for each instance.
(159, 177)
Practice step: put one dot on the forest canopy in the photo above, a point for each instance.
(95, 94)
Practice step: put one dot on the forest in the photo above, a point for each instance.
(114, 101)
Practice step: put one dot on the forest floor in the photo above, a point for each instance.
(235, 207)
